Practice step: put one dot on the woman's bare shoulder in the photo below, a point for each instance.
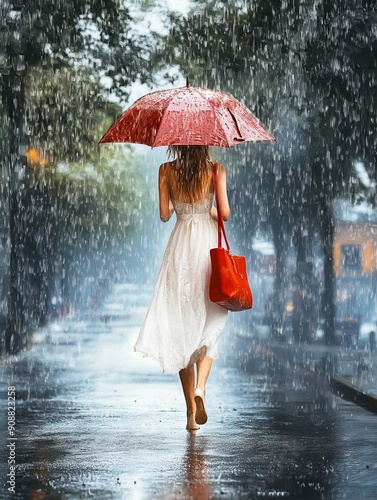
(166, 167)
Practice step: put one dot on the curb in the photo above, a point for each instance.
(345, 390)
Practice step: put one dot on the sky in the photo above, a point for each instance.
(153, 21)
(179, 5)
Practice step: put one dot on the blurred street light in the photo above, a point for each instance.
(35, 158)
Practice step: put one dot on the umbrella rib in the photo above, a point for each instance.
(161, 119)
(165, 111)
(239, 138)
(228, 145)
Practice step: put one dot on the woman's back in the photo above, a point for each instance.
(177, 194)
(175, 187)
(200, 207)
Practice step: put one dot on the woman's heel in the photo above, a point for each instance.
(191, 422)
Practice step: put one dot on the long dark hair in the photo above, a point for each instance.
(193, 169)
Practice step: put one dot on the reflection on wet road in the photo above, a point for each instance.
(94, 419)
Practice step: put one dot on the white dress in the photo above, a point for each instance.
(182, 324)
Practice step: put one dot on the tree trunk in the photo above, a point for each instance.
(303, 327)
(328, 305)
(13, 98)
(16, 329)
(278, 304)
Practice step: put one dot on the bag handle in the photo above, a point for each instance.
(220, 222)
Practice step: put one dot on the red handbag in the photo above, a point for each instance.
(229, 286)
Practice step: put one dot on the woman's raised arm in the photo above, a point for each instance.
(166, 206)
(221, 194)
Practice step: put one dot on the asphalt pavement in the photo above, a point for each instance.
(93, 419)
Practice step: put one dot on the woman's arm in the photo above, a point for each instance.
(166, 206)
(221, 194)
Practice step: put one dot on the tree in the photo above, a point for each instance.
(94, 211)
(53, 34)
(340, 63)
(286, 63)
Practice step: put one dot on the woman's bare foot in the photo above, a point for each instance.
(201, 412)
(191, 422)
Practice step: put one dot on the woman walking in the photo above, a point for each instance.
(182, 326)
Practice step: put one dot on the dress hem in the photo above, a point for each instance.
(177, 370)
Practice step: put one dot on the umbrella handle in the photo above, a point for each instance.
(220, 221)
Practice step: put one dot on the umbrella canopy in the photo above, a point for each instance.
(187, 116)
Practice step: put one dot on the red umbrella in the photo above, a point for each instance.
(187, 116)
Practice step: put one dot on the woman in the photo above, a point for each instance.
(182, 325)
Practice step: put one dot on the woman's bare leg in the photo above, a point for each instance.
(187, 376)
(203, 369)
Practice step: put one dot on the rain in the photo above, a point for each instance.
(292, 399)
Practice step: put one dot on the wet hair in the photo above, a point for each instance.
(192, 170)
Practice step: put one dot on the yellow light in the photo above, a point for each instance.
(34, 158)
(289, 306)
(32, 155)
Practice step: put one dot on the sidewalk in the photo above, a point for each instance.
(96, 420)
(351, 372)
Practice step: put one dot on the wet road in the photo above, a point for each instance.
(96, 420)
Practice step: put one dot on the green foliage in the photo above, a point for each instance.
(96, 197)
(92, 207)
(340, 62)
(305, 69)
(65, 112)
(99, 35)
